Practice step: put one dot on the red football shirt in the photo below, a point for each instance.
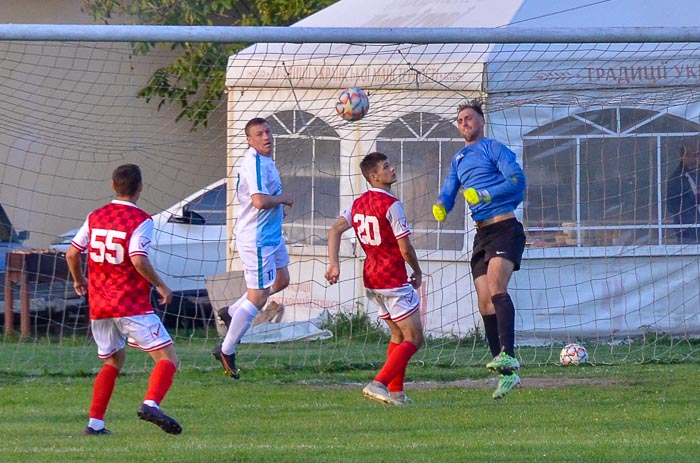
(379, 222)
(111, 235)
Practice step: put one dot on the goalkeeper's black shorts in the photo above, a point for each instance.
(502, 239)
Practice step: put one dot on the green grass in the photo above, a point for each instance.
(303, 403)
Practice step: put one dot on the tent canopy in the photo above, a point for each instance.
(512, 67)
(505, 13)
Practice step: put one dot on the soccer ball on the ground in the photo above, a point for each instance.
(573, 354)
(352, 104)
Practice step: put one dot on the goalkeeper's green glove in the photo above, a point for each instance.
(474, 197)
(439, 212)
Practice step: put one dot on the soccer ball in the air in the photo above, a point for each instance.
(573, 354)
(352, 104)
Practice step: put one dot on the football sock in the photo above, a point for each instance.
(102, 391)
(396, 362)
(233, 307)
(396, 383)
(491, 332)
(505, 312)
(390, 348)
(240, 323)
(160, 381)
(96, 424)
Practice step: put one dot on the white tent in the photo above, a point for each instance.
(597, 271)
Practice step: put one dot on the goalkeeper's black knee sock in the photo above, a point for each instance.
(505, 313)
(491, 333)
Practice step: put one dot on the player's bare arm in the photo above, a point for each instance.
(80, 283)
(143, 265)
(263, 201)
(409, 255)
(339, 227)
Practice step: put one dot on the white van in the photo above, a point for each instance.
(189, 244)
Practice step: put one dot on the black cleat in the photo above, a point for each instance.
(160, 419)
(228, 361)
(224, 316)
(88, 431)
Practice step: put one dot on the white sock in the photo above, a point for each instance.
(151, 403)
(233, 307)
(96, 424)
(240, 323)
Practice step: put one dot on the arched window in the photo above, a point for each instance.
(599, 178)
(421, 145)
(307, 155)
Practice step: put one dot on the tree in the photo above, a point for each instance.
(195, 80)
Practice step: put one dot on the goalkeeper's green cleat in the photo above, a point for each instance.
(506, 383)
(503, 362)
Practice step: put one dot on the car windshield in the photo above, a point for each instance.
(211, 206)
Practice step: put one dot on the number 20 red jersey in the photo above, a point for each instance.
(379, 221)
(115, 288)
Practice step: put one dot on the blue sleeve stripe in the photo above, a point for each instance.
(257, 172)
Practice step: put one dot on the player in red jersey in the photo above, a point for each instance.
(117, 239)
(380, 224)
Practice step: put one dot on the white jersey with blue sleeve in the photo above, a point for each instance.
(258, 227)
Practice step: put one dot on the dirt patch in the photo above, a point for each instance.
(490, 383)
(486, 383)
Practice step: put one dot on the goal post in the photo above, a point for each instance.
(597, 118)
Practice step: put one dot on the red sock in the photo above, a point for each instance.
(396, 362)
(392, 345)
(102, 391)
(161, 380)
(396, 384)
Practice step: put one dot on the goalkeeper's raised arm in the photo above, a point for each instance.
(492, 180)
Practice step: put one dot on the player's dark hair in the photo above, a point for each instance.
(253, 122)
(476, 104)
(369, 163)
(127, 179)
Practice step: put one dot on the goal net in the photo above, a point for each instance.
(599, 128)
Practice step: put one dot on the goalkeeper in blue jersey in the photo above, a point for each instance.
(493, 185)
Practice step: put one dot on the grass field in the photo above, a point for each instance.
(278, 412)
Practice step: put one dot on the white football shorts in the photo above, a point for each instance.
(144, 332)
(395, 304)
(260, 264)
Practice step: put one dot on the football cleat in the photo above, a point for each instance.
(401, 397)
(505, 384)
(228, 361)
(88, 431)
(160, 419)
(378, 392)
(503, 362)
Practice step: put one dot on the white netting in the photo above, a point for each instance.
(597, 127)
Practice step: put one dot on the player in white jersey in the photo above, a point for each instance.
(259, 239)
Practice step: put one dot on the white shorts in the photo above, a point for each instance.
(395, 304)
(260, 264)
(145, 332)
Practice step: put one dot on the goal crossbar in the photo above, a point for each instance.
(274, 34)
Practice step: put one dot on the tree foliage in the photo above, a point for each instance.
(195, 80)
